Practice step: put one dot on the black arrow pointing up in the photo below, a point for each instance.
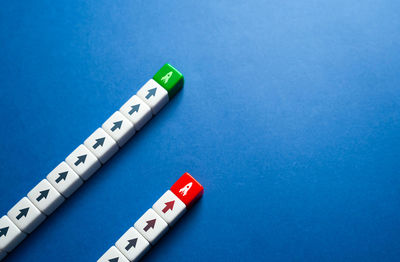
(150, 224)
(135, 108)
(115, 259)
(3, 231)
(117, 125)
(61, 176)
(22, 213)
(152, 92)
(81, 159)
(131, 243)
(43, 194)
(99, 142)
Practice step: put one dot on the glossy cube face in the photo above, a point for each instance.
(169, 78)
(187, 189)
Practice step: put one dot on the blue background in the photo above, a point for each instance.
(290, 118)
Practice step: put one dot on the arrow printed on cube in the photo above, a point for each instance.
(117, 125)
(168, 82)
(61, 176)
(150, 224)
(168, 206)
(131, 243)
(22, 213)
(99, 142)
(81, 159)
(134, 108)
(43, 194)
(152, 92)
(3, 231)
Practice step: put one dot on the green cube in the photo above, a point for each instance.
(169, 78)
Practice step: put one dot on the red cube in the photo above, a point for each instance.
(187, 189)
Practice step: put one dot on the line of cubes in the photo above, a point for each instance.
(155, 222)
(84, 161)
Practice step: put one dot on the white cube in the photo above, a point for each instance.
(133, 245)
(26, 216)
(101, 145)
(64, 179)
(45, 197)
(137, 111)
(83, 162)
(10, 235)
(154, 95)
(119, 128)
(169, 207)
(113, 255)
(151, 226)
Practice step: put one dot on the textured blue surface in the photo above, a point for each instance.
(290, 118)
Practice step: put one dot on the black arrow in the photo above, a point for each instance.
(3, 231)
(81, 159)
(61, 176)
(117, 125)
(135, 108)
(115, 259)
(131, 243)
(22, 213)
(152, 92)
(99, 142)
(150, 224)
(43, 194)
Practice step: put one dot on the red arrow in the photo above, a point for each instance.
(150, 224)
(168, 206)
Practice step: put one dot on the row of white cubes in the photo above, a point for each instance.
(80, 165)
(146, 231)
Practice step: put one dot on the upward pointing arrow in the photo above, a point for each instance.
(99, 142)
(43, 194)
(152, 92)
(81, 159)
(22, 213)
(135, 108)
(131, 243)
(168, 206)
(117, 125)
(3, 231)
(150, 224)
(115, 259)
(61, 176)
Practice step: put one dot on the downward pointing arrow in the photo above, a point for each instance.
(152, 92)
(113, 259)
(168, 206)
(99, 142)
(61, 176)
(131, 243)
(3, 231)
(150, 224)
(81, 159)
(134, 109)
(22, 213)
(117, 125)
(43, 194)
